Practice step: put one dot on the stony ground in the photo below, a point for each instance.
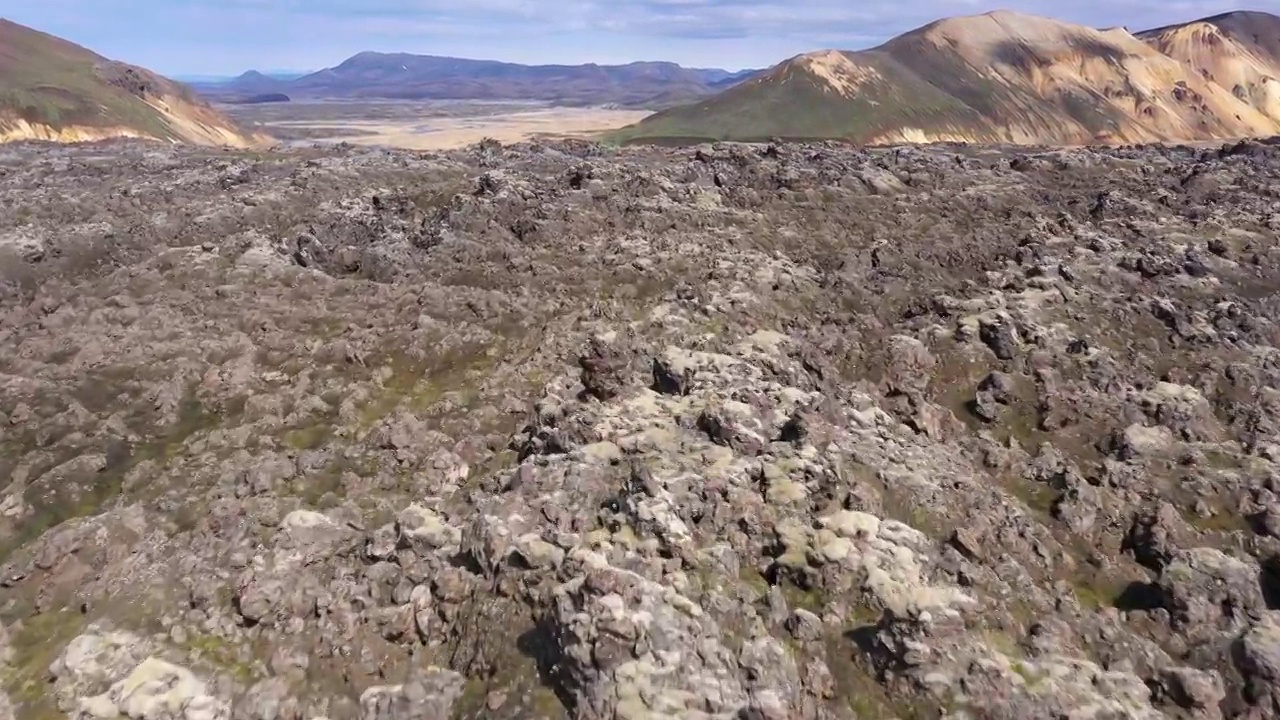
(566, 431)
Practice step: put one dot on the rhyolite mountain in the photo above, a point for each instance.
(52, 89)
(403, 76)
(1008, 77)
(1238, 51)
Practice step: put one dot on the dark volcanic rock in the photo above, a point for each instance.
(560, 430)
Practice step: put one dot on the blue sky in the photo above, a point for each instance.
(188, 37)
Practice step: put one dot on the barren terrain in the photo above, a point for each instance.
(559, 430)
(1011, 77)
(55, 90)
(436, 125)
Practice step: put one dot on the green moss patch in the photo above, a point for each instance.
(36, 644)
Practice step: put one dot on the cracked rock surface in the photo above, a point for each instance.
(569, 431)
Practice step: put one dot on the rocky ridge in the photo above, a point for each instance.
(551, 431)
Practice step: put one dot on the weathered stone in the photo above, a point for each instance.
(431, 693)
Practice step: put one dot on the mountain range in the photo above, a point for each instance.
(225, 79)
(1007, 77)
(1001, 77)
(51, 89)
(402, 76)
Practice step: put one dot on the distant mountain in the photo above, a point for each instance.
(1239, 52)
(404, 76)
(729, 79)
(259, 99)
(196, 79)
(1007, 77)
(51, 89)
(214, 80)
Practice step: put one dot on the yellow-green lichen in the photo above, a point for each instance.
(222, 655)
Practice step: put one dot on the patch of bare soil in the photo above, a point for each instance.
(438, 126)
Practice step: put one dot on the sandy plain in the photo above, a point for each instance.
(435, 125)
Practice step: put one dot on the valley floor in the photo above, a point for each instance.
(428, 125)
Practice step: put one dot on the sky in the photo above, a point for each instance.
(226, 37)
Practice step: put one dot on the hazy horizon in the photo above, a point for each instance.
(226, 38)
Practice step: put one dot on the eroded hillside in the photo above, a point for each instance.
(54, 90)
(555, 431)
(1008, 77)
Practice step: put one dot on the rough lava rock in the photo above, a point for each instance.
(562, 430)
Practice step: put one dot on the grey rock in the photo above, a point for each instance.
(431, 693)
(155, 689)
(6, 647)
(1194, 690)
(1203, 587)
(1000, 386)
(804, 625)
(673, 373)
(910, 365)
(1150, 536)
(605, 369)
(985, 406)
(1259, 660)
(999, 334)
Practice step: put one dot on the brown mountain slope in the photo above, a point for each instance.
(1238, 51)
(1002, 76)
(51, 89)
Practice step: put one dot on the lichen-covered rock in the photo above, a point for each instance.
(92, 662)
(606, 370)
(634, 648)
(563, 430)
(1198, 693)
(154, 690)
(1204, 587)
(1259, 662)
(431, 693)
